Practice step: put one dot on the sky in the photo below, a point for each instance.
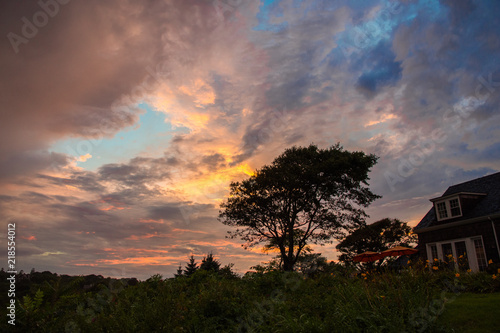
(124, 122)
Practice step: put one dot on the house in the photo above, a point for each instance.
(465, 223)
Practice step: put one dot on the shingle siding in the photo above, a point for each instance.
(483, 229)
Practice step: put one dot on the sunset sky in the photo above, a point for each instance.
(123, 122)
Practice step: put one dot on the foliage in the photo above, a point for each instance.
(209, 263)
(335, 299)
(307, 195)
(308, 263)
(179, 272)
(378, 236)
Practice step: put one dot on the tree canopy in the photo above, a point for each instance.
(209, 263)
(306, 196)
(378, 236)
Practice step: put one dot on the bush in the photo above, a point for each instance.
(335, 300)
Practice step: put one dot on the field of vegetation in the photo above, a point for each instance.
(333, 299)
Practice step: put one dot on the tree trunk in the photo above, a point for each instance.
(287, 265)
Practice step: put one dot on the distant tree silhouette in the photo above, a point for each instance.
(179, 271)
(227, 271)
(378, 236)
(191, 267)
(311, 263)
(308, 263)
(209, 263)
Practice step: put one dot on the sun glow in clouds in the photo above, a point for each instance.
(135, 137)
(212, 187)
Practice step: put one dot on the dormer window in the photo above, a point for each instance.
(441, 208)
(455, 208)
(447, 209)
(453, 205)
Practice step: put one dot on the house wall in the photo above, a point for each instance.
(483, 229)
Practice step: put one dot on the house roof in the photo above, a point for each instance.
(486, 204)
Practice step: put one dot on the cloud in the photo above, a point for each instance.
(78, 74)
(237, 87)
(379, 69)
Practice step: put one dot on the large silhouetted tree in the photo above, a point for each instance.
(307, 195)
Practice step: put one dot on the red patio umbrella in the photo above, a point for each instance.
(367, 256)
(397, 251)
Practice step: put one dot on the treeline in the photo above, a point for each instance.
(205, 297)
(335, 298)
(208, 264)
(54, 285)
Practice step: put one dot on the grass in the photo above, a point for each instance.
(338, 299)
(472, 313)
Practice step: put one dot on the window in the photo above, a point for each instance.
(448, 256)
(441, 207)
(461, 254)
(481, 256)
(447, 209)
(455, 207)
(434, 251)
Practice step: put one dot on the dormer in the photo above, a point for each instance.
(453, 205)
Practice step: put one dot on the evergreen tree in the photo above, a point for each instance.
(209, 263)
(179, 271)
(191, 267)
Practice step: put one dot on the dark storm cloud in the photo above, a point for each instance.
(213, 161)
(379, 69)
(85, 180)
(177, 212)
(444, 59)
(82, 210)
(26, 162)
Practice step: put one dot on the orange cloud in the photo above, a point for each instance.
(177, 230)
(113, 208)
(382, 119)
(160, 221)
(212, 186)
(157, 260)
(136, 237)
(201, 91)
(84, 158)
